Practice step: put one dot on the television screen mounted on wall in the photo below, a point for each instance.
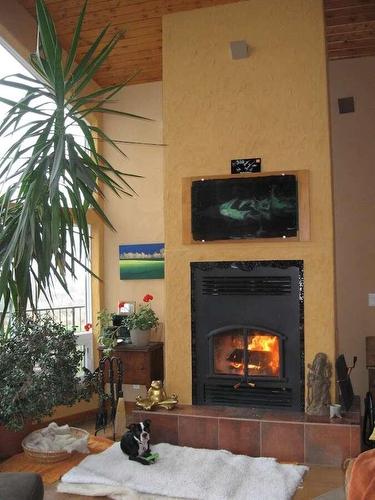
(251, 207)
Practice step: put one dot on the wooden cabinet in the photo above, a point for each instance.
(141, 364)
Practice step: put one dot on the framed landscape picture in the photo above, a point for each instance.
(142, 262)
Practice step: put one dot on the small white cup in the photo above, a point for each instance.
(335, 411)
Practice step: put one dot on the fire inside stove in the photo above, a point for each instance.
(263, 354)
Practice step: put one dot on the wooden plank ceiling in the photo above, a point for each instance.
(350, 28)
(350, 31)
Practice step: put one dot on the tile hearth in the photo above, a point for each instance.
(288, 436)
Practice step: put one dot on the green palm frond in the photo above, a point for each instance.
(51, 179)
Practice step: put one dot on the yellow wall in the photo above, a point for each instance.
(137, 219)
(353, 152)
(272, 105)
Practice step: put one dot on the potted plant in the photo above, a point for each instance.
(108, 333)
(39, 361)
(52, 180)
(141, 321)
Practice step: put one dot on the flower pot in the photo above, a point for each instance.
(10, 441)
(140, 338)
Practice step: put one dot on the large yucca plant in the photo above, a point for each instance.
(50, 180)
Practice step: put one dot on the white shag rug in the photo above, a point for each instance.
(183, 472)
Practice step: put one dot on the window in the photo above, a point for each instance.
(72, 309)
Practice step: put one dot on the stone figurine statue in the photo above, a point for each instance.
(156, 396)
(318, 385)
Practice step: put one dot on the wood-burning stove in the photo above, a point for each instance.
(247, 333)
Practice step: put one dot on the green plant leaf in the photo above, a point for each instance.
(96, 64)
(81, 69)
(75, 41)
(47, 32)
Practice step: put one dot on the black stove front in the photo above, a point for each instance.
(247, 333)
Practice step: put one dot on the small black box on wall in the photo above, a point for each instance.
(346, 104)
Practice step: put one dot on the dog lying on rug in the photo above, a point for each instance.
(136, 443)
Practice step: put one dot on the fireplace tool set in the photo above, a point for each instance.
(111, 405)
(343, 379)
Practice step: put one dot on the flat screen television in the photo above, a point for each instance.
(248, 207)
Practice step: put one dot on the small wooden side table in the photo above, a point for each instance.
(142, 365)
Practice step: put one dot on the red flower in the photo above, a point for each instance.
(87, 327)
(148, 298)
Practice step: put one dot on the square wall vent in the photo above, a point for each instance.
(346, 104)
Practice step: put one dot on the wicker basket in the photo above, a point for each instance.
(49, 457)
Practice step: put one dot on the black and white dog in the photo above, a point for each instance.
(136, 442)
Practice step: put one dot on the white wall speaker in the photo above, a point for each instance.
(239, 49)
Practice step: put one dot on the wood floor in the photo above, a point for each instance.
(318, 480)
